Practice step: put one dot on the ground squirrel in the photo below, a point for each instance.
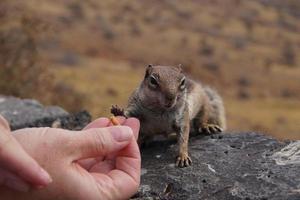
(167, 101)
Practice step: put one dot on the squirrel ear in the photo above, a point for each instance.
(148, 70)
(179, 67)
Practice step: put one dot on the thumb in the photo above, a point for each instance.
(101, 141)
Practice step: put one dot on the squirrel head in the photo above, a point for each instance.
(163, 87)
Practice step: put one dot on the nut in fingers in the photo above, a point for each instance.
(114, 121)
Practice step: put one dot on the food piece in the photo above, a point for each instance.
(114, 121)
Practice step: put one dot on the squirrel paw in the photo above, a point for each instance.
(183, 160)
(117, 111)
(210, 129)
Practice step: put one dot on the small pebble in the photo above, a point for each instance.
(143, 171)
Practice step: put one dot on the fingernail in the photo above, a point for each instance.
(17, 185)
(45, 177)
(121, 133)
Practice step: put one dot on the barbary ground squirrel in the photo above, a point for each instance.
(167, 101)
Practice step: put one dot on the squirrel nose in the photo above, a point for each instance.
(170, 97)
(169, 101)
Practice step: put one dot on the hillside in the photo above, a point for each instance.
(248, 50)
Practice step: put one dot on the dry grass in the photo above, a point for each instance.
(104, 84)
(276, 117)
(23, 72)
(248, 50)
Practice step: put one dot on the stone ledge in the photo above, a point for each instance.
(225, 166)
(21, 113)
(27, 112)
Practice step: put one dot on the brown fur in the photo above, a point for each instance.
(164, 105)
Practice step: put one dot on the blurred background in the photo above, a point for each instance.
(92, 54)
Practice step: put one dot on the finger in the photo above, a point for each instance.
(134, 124)
(219, 129)
(123, 181)
(129, 160)
(103, 122)
(126, 176)
(98, 123)
(100, 141)
(12, 181)
(4, 123)
(14, 158)
(212, 129)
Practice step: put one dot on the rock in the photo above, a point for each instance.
(225, 166)
(75, 121)
(30, 113)
(288, 155)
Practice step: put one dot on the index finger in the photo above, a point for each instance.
(103, 122)
(134, 124)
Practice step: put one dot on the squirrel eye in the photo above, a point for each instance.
(153, 81)
(182, 84)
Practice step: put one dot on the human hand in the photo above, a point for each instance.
(18, 170)
(63, 153)
(106, 163)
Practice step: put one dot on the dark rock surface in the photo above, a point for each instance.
(225, 166)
